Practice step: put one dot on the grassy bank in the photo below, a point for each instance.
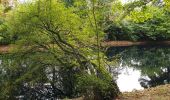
(157, 93)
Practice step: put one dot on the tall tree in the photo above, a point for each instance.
(51, 41)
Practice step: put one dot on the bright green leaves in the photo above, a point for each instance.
(167, 5)
(117, 11)
(140, 20)
(140, 16)
(144, 14)
(42, 16)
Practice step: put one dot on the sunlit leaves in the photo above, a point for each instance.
(167, 5)
(143, 14)
(117, 11)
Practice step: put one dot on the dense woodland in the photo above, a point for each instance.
(58, 52)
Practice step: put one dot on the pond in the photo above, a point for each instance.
(133, 68)
(140, 67)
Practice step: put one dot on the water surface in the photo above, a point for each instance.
(140, 67)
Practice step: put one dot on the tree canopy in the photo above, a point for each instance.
(58, 53)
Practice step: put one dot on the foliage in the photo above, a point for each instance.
(5, 34)
(145, 21)
(59, 53)
(92, 83)
(55, 53)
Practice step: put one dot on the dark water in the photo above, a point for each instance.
(140, 67)
(134, 68)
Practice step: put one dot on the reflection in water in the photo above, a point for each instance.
(137, 68)
(157, 79)
(147, 66)
(128, 79)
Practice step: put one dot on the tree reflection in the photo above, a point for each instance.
(151, 60)
(157, 79)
